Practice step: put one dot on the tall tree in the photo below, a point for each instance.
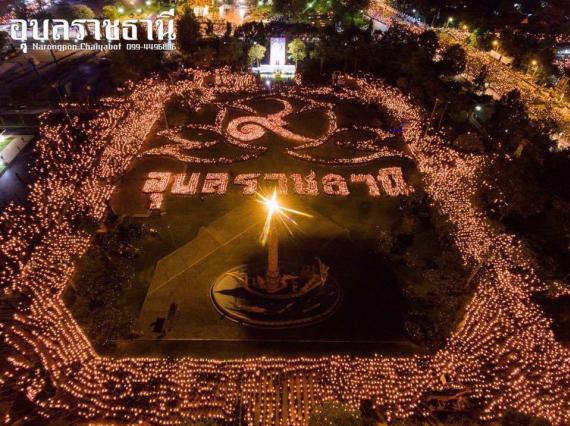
(73, 11)
(20, 8)
(290, 8)
(231, 52)
(109, 12)
(187, 29)
(429, 41)
(256, 53)
(510, 119)
(252, 32)
(320, 52)
(453, 60)
(297, 50)
(134, 64)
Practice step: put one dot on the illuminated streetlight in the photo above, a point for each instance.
(496, 45)
(534, 64)
(475, 109)
(121, 9)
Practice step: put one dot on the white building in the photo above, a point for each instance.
(277, 59)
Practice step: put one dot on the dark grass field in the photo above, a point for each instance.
(201, 237)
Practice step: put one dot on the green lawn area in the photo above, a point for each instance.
(200, 237)
(3, 144)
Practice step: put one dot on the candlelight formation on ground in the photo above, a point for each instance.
(390, 179)
(503, 351)
(246, 131)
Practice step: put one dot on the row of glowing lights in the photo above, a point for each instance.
(502, 79)
(391, 180)
(378, 9)
(244, 130)
(504, 350)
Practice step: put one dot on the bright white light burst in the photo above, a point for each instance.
(276, 209)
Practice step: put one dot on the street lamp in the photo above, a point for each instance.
(121, 9)
(534, 64)
(449, 21)
(496, 45)
(476, 108)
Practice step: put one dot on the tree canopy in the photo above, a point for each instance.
(297, 50)
(256, 53)
(453, 60)
(187, 29)
(109, 12)
(70, 12)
